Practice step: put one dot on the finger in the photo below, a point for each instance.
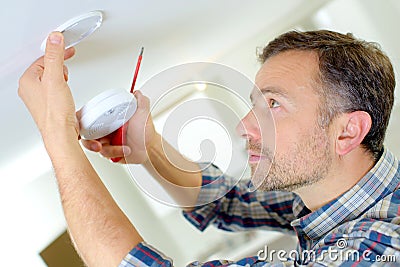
(115, 151)
(143, 102)
(70, 52)
(54, 58)
(104, 141)
(92, 145)
(65, 71)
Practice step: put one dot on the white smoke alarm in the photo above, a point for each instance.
(106, 113)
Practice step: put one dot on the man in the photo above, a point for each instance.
(330, 97)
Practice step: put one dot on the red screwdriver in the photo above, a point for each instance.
(118, 136)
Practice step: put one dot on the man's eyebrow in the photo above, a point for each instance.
(273, 90)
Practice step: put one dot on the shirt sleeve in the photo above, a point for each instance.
(146, 256)
(230, 205)
(330, 255)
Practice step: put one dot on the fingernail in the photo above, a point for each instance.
(94, 146)
(126, 150)
(55, 38)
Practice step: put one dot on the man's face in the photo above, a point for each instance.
(287, 148)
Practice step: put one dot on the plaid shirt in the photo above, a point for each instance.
(360, 227)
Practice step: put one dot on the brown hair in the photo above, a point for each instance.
(354, 75)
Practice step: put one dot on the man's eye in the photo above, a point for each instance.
(273, 103)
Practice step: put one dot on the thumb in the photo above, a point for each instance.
(54, 58)
(143, 102)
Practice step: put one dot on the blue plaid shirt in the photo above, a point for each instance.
(360, 227)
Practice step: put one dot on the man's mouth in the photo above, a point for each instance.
(255, 157)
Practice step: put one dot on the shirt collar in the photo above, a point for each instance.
(380, 181)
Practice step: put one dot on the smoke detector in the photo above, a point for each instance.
(105, 113)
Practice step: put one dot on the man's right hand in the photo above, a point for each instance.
(180, 177)
(140, 133)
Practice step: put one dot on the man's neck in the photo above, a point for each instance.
(344, 173)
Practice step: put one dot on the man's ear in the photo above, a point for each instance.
(353, 127)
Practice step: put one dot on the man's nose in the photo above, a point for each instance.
(248, 127)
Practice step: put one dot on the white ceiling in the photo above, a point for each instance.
(172, 32)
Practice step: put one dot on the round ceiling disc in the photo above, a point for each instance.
(78, 28)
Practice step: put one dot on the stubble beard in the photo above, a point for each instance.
(306, 163)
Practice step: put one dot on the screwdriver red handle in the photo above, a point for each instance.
(118, 136)
(117, 139)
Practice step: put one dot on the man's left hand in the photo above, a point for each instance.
(44, 89)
